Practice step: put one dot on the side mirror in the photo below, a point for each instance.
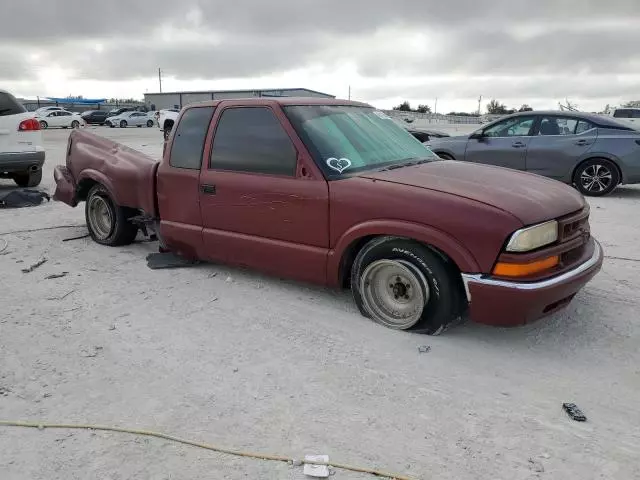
(477, 135)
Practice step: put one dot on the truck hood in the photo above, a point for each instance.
(530, 198)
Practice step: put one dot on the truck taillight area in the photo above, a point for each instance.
(29, 124)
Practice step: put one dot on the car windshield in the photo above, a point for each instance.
(351, 139)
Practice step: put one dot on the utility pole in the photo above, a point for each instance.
(479, 104)
(435, 107)
(349, 92)
(160, 78)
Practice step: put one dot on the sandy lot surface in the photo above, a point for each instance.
(246, 361)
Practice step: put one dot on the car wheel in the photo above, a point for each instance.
(75, 124)
(43, 125)
(596, 177)
(404, 285)
(107, 222)
(123, 124)
(166, 132)
(149, 123)
(445, 156)
(28, 179)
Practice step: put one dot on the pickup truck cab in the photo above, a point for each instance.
(335, 193)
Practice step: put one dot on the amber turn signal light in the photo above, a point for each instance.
(525, 269)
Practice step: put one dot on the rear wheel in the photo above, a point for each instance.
(404, 285)
(28, 179)
(75, 124)
(43, 125)
(123, 124)
(108, 223)
(596, 177)
(149, 123)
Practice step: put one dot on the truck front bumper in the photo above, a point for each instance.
(506, 303)
(19, 162)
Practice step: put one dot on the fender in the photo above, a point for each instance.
(102, 179)
(422, 233)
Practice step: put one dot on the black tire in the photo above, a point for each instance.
(28, 179)
(75, 124)
(123, 124)
(444, 293)
(149, 123)
(596, 177)
(445, 156)
(118, 230)
(43, 125)
(166, 132)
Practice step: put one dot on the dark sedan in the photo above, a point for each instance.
(595, 153)
(95, 117)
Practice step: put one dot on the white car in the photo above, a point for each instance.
(166, 118)
(130, 119)
(628, 115)
(21, 151)
(60, 118)
(44, 110)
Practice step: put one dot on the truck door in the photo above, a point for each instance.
(263, 202)
(178, 183)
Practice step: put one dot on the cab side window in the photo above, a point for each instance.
(188, 141)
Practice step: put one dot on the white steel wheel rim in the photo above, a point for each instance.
(100, 217)
(394, 292)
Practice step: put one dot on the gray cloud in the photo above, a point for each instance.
(12, 65)
(521, 39)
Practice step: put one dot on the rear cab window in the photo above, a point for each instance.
(252, 140)
(9, 105)
(189, 137)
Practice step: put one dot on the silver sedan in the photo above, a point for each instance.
(595, 153)
(130, 119)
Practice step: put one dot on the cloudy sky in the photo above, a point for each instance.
(536, 51)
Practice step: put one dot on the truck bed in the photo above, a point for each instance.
(129, 175)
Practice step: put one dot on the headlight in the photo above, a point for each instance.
(530, 238)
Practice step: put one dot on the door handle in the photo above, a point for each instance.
(518, 145)
(208, 189)
(582, 143)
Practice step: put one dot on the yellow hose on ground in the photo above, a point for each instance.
(239, 453)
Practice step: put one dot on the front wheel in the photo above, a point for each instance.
(107, 222)
(123, 124)
(43, 125)
(149, 123)
(75, 124)
(596, 177)
(404, 285)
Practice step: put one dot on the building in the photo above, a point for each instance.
(180, 99)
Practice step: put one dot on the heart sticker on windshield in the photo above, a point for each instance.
(338, 164)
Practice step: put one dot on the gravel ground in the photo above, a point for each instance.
(230, 357)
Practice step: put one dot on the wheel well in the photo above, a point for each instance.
(599, 158)
(444, 155)
(349, 256)
(82, 190)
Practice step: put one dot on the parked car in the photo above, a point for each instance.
(593, 152)
(95, 117)
(130, 119)
(628, 115)
(426, 134)
(166, 119)
(336, 193)
(21, 151)
(44, 110)
(119, 111)
(60, 118)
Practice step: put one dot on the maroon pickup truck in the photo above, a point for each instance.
(335, 193)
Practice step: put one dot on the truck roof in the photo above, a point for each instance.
(282, 101)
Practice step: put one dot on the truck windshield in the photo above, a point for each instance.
(351, 139)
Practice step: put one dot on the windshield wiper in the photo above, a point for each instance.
(418, 161)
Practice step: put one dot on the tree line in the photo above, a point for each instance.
(493, 107)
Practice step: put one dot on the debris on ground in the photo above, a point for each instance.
(56, 275)
(63, 296)
(318, 471)
(39, 263)
(112, 327)
(76, 238)
(574, 412)
(229, 280)
(212, 275)
(91, 353)
(424, 349)
(536, 466)
(156, 261)
(25, 197)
